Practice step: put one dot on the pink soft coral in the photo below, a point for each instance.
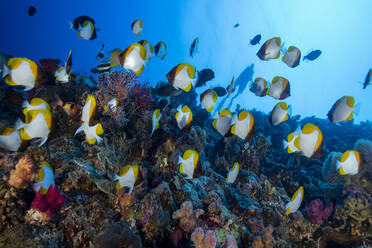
(188, 216)
(317, 215)
(50, 202)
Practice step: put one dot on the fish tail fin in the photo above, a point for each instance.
(297, 132)
(99, 139)
(5, 71)
(70, 24)
(283, 49)
(338, 164)
(19, 124)
(81, 128)
(289, 110)
(285, 144)
(180, 160)
(357, 109)
(25, 104)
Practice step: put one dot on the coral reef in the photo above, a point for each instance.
(165, 209)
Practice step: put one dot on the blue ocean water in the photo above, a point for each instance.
(340, 29)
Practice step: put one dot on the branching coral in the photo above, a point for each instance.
(133, 97)
(23, 174)
(317, 215)
(203, 239)
(187, 216)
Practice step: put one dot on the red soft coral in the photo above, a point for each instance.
(50, 202)
(317, 214)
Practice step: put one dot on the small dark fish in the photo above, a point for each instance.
(221, 91)
(313, 55)
(164, 89)
(100, 55)
(204, 76)
(102, 67)
(31, 11)
(368, 79)
(256, 40)
(194, 47)
(236, 25)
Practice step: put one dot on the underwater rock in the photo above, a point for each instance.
(264, 240)
(203, 239)
(117, 235)
(188, 216)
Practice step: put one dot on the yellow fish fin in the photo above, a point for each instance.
(350, 117)
(139, 71)
(214, 123)
(99, 129)
(90, 141)
(188, 87)
(342, 172)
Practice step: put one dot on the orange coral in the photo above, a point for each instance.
(23, 174)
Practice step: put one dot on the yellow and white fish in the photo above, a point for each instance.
(127, 177)
(280, 88)
(112, 105)
(156, 116)
(137, 26)
(10, 139)
(91, 132)
(35, 103)
(182, 77)
(22, 72)
(115, 57)
(223, 122)
(233, 173)
(295, 202)
(183, 116)
(258, 87)
(160, 49)
(292, 57)
(343, 110)
(270, 49)
(149, 49)
(38, 123)
(63, 73)
(349, 164)
(310, 141)
(280, 113)
(188, 163)
(85, 27)
(289, 144)
(45, 178)
(134, 58)
(208, 99)
(88, 109)
(244, 125)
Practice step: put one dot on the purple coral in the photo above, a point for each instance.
(317, 215)
(188, 217)
(204, 240)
